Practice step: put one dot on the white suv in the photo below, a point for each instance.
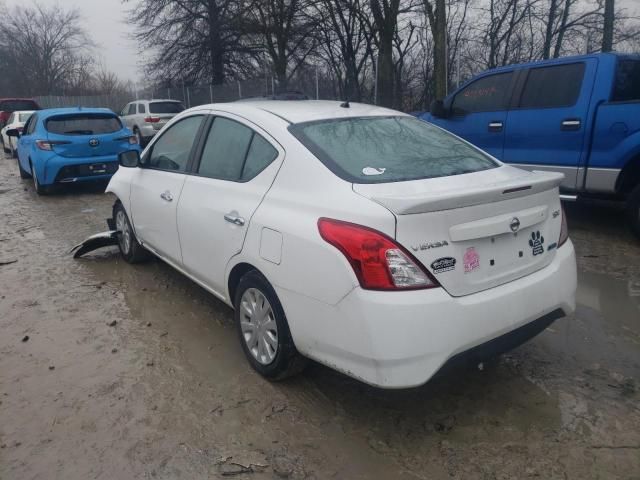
(363, 238)
(146, 117)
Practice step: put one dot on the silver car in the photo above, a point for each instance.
(146, 117)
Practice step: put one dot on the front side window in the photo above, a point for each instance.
(172, 150)
(83, 124)
(627, 81)
(388, 149)
(487, 94)
(234, 152)
(553, 87)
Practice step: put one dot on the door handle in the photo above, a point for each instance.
(166, 195)
(495, 126)
(235, 219)
(571, 124)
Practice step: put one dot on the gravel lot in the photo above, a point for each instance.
(165, 392)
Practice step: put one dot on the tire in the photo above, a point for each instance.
(23, 172)
(129, 246)
(274, 359)
(137, 133)
(40, 189)
(633, 211)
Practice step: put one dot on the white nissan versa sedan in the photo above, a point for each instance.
(360, 237)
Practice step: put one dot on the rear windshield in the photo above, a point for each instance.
(389, 149)
(165, 107)
(23, 117)
(13, 105)
(83, 124)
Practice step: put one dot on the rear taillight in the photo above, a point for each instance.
(378, 262)
(152, 119)
(564, 229)
(48, 145)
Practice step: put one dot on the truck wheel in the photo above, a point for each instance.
(263, 329)
(633, 210)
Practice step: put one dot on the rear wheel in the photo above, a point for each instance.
(263, 329)
(130, 248)
(23, 172)
(40, 189)
(138, 135)
(633, 210)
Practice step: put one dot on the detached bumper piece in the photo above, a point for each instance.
(502, 344)
(94, 242)
(71, 173)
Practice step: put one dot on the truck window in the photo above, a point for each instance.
(487, 94)
(553, 87)
(627, 82)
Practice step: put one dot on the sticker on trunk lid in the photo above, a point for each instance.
(444, 264)
(471, 260)
(536, 242)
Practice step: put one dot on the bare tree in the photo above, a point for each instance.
(46, 46)
(437, 14)
(195, 40)
(287, 32)
(607, 31)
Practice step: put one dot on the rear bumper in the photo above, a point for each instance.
(401, 339)
(148, 131)
(71, 170)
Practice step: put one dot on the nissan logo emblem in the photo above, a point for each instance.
(94, 142)
(514, 225)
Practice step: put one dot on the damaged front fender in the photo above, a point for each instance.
(94, 242)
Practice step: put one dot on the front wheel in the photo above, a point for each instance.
(263, 329)
(130, 248)
(633, 210)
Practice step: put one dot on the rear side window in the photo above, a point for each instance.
(13, 105)
(389, 149)
(627, 82)
(141, 108)
(83, 124)
(234, 152)
(553, 87)
(165, 107)
(24, 116)
(488, 94)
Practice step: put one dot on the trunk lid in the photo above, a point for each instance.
(478, 230)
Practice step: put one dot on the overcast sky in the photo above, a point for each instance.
(105, 22)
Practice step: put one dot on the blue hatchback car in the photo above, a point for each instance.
(67, 145)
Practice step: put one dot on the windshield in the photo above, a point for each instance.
(13, 105)
(165, 107)
(84, 124)
(389, 149)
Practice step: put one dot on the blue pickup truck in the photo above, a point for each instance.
(575, 115)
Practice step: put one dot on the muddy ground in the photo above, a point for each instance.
(166, 392)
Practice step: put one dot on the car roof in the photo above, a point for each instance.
(300, 111)
(50, 112)
(157, 100)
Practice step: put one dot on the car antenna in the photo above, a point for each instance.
(345, 104)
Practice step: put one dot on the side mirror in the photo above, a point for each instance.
(438, 109)
(13, 132)
(129, 159)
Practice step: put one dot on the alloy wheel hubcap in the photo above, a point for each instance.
(258, 326)
(125, 234)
